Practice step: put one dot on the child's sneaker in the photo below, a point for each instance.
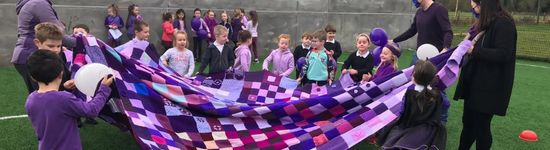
(256, 60)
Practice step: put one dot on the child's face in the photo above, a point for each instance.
(283, 43)
(224, 17)
(362, 44)
(52, 45)
(197, 13)
(306, 41)
(222, 38)
(475, 6)
(80, 31)
(211, 14)
(143, 34)
(386, 55)
(181, 15)
(136, 10)
(181, 42)
(110, 12)
(318, 44)
(331, 35)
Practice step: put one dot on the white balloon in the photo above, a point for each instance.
(426, 51)
(88, 76)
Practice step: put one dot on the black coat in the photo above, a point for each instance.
(487, 77)
(218, 62)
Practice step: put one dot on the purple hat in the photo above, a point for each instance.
(394, 48)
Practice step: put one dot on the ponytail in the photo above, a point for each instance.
(426, 96)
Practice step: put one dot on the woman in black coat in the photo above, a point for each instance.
(487, 75)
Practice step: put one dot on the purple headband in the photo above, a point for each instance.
(393, 50)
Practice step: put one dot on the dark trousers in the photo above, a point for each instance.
(197, 47)
(24, 72)
(319, 83)
(167, 45)
(476, 127)
(254, 47)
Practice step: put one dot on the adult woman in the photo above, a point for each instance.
(487, 77)
(29, 14)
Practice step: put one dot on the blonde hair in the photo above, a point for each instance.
(394, 58)
(219, 30)
(47, 30)
(363, 35)
(184, 35)
(284, 36)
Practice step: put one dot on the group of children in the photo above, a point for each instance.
(314, 62)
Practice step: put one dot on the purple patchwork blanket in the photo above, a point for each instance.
(253, 110)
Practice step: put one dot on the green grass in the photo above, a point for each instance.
(527, 111)
(532, 40)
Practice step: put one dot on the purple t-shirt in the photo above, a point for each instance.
(54, 115)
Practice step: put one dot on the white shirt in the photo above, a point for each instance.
(218, 46)
(362, 55)
(333, 41)
(252, 29)
(304, 47)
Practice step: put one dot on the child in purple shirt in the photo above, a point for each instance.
(53, 114)
(283, 60)
(113, 22)
(242, 53)
(133, 17)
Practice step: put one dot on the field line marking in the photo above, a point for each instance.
(13, 117)
(536, 66)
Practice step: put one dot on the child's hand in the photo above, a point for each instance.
(366, 77)
(69, 85)
(344, 71)
(352, 71)
(329, 52)
(471, 49)
(107, 80)
(444, 50)
(329, 82)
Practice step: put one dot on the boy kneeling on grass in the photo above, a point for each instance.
(53, 114)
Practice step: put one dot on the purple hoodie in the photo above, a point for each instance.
(243, 59)
(29, 14)
(283, 62)
(211, 23)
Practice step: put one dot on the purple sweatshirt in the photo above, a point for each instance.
(242, 62)
(29, 14)
(211, 23)
(113, 20)
(432, 26)
(283, 62)
(383, 70)
(54, 115)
